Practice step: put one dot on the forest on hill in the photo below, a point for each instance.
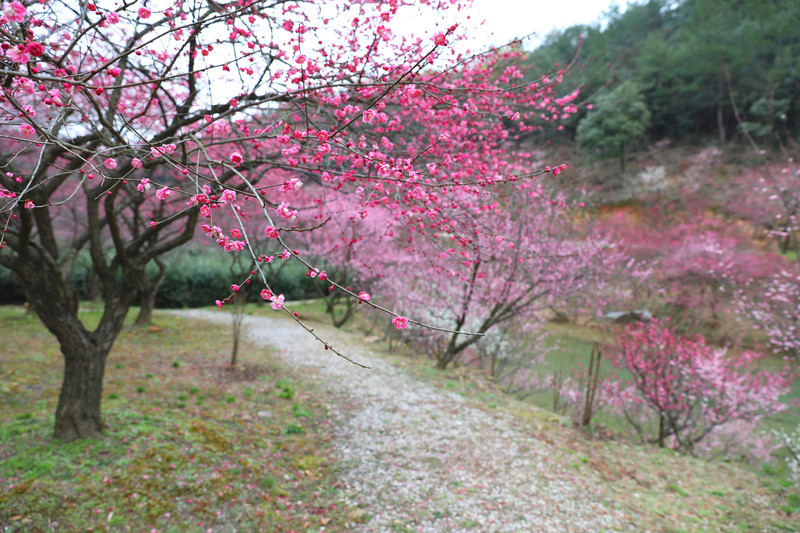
(703, 69)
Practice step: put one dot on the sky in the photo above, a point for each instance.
(512, 18)
(506, 20)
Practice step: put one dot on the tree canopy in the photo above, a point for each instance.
(705, 67)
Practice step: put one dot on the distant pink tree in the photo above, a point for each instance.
(467, 280)
(775, 308)
(769, 196)
(690, 388)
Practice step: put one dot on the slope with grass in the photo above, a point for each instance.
(423, 451)
(190, 445)
(297, 439)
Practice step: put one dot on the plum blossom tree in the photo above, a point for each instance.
(534, 259)
(770, 198)
(689, 387)
(153, 118)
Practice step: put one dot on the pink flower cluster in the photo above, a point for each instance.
(400, 322)
(293, 184)
(284, 211)
(15, 12)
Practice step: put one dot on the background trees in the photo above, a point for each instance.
(705, 68)
(618, 119)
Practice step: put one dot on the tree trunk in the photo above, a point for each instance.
(84, 354)
(240, 299)
(621, 157)
(447, 357)
(443, 361)
(147, 302)
(720, 113)
(78, 411)
(147, 295)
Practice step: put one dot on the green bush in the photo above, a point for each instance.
(195, 278)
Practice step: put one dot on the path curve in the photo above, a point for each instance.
(426, 459)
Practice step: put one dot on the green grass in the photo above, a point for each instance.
(244, 459)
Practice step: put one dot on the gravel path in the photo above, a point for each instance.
(426, 459)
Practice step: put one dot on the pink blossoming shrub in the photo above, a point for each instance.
(690, 389)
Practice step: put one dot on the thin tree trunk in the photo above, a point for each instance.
(238, 318)
(720, 115)
(591, 384)
(147, 295)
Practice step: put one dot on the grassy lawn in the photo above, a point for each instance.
(190, 445)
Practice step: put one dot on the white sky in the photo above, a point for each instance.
(506, 20)
(512, 18)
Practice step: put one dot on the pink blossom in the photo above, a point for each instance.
(277, 302)
(35, 49)
(198, 199)
(233, 246)
(164, 193)
(235, 288)
(212, 231)
(364, 296)
(293, 184)
(266, 294)
(323, 276)
(271, 232)
(236, 158)
(26, 129)
(28, 205)
(143, 185)
(284, 211)
(112, 18)
(15, 12)
(236, 234)
(227, 196)
(18, 55)
(136, 162)
(110, 163)
(144, 13)
(400, 322)
(369, 116)
(219, 303)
